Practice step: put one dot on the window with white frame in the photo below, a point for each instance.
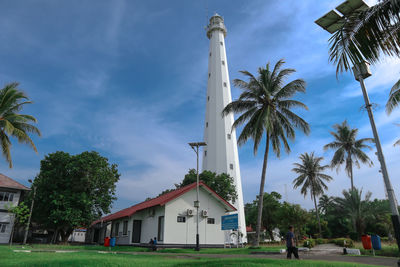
(125, 228)
(6, 196)
(225, 84)
(231, 166)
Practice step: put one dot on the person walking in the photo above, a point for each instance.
(290, 245)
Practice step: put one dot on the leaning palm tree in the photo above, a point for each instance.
(265, 108)
(13, 124)
(348, 149)
(311, 178)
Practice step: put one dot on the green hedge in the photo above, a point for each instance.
(343, 242)
(319, 241)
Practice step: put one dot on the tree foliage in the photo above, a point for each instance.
(12, 123)
(73, 190)
(265, 107)
(21, 213)
(222, 184)
(366, 35)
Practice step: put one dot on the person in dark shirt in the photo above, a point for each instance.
(291, 247)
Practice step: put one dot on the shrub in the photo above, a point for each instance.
(319, 241)
(309, 243)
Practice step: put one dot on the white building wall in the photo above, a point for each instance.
(6, 217)
(185, 233)
(221, 153)
(78, 236)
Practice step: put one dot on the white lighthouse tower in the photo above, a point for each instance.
(221, 153)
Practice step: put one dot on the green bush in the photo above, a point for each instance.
(309, 243)
(319, 241)
(343, 242)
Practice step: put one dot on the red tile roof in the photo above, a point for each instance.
(160, 201)
(7, 182)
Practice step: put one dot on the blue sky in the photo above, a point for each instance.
(128, 79)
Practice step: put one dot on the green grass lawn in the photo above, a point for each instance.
(93, 258)
(140, 249)
(388, 250)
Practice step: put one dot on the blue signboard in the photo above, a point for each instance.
(229, 222)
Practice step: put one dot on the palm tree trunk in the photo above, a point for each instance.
(319, 221)
(351, 173)
(261, 195)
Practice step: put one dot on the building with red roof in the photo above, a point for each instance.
(170, 218)
(10, 194)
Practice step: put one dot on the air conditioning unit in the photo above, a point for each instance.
(204, 213)
(152, 212)
(190, 212)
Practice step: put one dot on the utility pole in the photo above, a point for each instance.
(195, 147)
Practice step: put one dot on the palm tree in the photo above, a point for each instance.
(348, 149)
(325, 203)
(366, 34)
(353, 206)
(394, 98)
(265, 106)
(13, 124)
(311, 178)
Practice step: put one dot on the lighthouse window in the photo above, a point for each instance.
(223, 62)
(210, 54)
(209, 75)
(205, 152)
(221, 43)
(206, 124)
(224, 84)
(229, 136)
(231, 166)
(208, 98)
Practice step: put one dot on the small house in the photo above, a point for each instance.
(171, 218)
(10, 194)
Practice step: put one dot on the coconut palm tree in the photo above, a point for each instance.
(13, 124)
(348, 149)
(265, 108)
(311, 178)
(366, 35)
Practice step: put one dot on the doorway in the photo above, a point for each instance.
(136, 230)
